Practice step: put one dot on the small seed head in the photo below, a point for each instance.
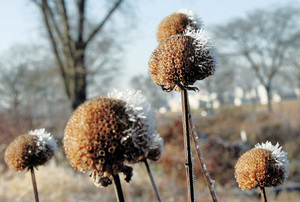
(30, 150)
(180, 61)
(259, 168)
(177, 23)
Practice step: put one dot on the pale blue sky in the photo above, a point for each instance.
(19, 20)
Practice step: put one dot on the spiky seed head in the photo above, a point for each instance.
(177, 23)
(30, 150)
(263, 166)
(181, 60)
(104, 132)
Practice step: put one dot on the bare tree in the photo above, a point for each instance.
(70, 35)
(262, 40)
(29, 88)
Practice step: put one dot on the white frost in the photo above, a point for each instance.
(44, 138)
(138, 107)
(278, 154)
(195, 19)
(205, 50)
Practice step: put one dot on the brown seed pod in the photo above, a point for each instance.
(259, 167)
(181, 60)
(177, 23)
(30, 150)
(102, 134)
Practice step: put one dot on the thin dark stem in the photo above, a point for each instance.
(201, 159)
(36, 195)
(263, 194)
(187, 145)
(152, 180)
(118, 188)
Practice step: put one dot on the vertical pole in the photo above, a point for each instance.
(187, 145)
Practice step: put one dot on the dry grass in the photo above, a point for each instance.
(58, 182)
(61, 184)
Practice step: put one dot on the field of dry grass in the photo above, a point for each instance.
(58, 183)
(220, 138)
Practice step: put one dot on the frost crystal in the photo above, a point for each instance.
(195, 20)
(44, 139)
(138, 108)
(279, 155)
(203, 45)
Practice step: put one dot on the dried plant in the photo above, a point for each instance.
(263, 166)
(29, 151)
(177, 23)
(105, 133)
(183, 56)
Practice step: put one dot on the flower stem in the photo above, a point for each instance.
(201, 159)
(187, 145)
(152, 180)
(118, 188)
(263, 194)
(36, 195)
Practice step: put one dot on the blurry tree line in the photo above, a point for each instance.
(260, 48)
(42, 83)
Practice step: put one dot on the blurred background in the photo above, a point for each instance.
(56, 54)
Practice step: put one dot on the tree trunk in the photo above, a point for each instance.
(269, 97)
(80, 84)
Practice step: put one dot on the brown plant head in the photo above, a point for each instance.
(181, 60)
(177, 23)
(30, 150)
(101, 135)
(261, 167)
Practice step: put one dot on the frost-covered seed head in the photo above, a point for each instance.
(30, 150)
(177, 23)
(181, 60)
(263, 166)
(104, 132)
(156, 148)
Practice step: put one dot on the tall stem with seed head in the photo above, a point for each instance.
(36, 195)
(118, 188)
(152, 180)
(263, 194)
(187, 145)
(200, 157)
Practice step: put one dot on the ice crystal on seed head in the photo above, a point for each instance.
(181, 60)
(137, 104)
(104, 133)
(30, 150)
(260, 167)
(196, 22)
(278, 154)
(44, 139)
(139, 108)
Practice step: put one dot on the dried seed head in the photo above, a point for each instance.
(103, 133)
(177, 23)
(181, 60)
(263, 166)
(30, 150)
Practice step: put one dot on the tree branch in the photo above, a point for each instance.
(61, 66)
(67, 37)
(81, 13)
(91, 36)
(54, 23)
